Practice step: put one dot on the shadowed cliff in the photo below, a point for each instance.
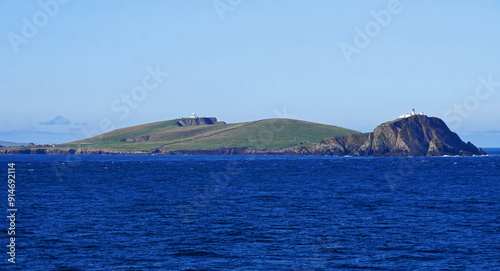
(417, 135)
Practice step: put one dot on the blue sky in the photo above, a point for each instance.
(72, 69)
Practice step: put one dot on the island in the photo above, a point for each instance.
(409, 135)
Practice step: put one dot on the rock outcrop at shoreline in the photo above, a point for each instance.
(417, 135)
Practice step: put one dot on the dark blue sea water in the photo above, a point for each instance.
(254, 213)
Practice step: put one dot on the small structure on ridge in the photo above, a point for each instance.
(407, 115)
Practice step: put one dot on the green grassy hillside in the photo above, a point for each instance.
(262, 134)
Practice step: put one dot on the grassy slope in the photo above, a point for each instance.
(263, 134)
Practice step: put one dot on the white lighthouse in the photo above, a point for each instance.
(407, 115)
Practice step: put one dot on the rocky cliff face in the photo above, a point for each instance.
(199, 121)
(413, 136)
(335, 146)
(182, 122)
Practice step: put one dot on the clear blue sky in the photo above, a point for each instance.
(68, 68)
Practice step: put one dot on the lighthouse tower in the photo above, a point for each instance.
(407, 115)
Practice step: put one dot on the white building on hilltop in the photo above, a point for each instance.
(407, 115)
(193, 116)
